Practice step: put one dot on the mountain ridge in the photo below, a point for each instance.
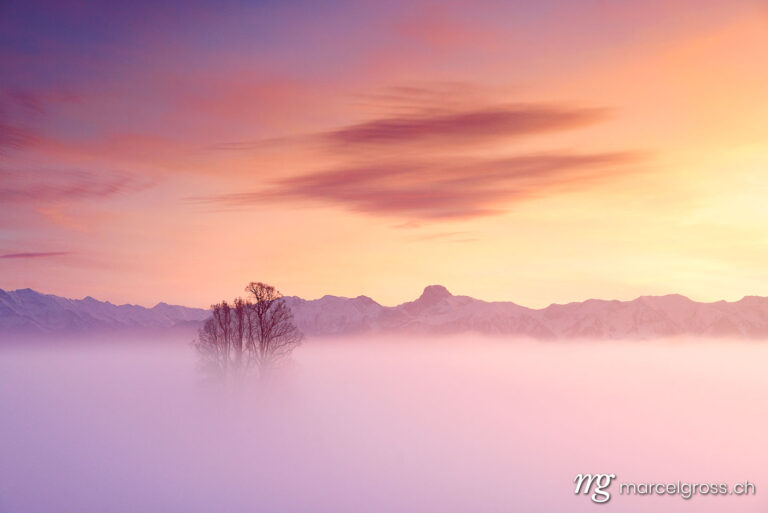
(435, 312)
(26, 312)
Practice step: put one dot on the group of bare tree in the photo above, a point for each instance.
(254, 334)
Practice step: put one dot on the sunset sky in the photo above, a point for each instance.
(538, 152)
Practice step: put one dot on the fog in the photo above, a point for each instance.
(375, 425)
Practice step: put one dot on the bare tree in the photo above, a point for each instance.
(256, 333)
(238, 333)
(211, 348)
(273, 332)
(215, 341)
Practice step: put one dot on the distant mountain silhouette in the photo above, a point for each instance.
(435, 312)
(30, 313)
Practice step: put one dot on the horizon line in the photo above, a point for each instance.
(642, 296)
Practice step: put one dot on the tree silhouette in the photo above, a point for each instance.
(252, 334)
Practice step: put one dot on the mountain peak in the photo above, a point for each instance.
(27, 291)
(434, 293)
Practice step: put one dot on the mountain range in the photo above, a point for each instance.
(25, 312)
(435, 312)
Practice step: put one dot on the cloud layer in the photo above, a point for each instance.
(465, 127)
(439, 189)
(420, 161)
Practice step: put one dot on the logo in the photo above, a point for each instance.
(596, 484)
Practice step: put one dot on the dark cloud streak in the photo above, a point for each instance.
(430, 124)
(442, 189)
(36, 254)
(466, 126)
(413, 161)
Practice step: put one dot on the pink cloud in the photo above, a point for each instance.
(439, 189)
(33, 186)
(466, 126)
(15, 138)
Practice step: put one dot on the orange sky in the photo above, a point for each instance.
(536, 154)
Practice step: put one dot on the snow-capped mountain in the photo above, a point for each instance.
(27, 312)
(435, 312)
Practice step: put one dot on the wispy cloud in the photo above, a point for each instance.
(440, 189)
(466, 126)
(53, 185)
(36, 254)
(34, 100)
(20, 109)
(14, 138)
(416, 158)
(423, 118)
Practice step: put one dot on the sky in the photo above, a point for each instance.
(536, 152)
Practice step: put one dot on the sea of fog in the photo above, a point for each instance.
(375, 425)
